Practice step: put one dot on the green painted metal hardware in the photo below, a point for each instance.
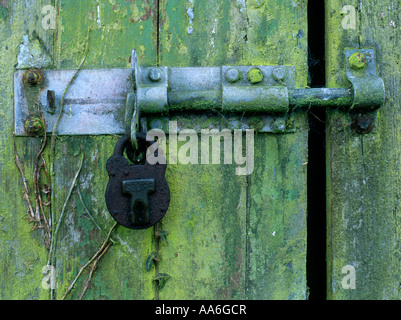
(230, 88)
(240, 89)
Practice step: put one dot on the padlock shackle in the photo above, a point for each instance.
(123, 142)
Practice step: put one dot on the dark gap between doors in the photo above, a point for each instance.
(316, 181)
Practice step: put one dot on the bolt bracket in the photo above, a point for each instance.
(368, 88)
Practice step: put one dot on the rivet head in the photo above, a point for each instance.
(33, 77)
(358, 61)
(232, 75)
(255, 76)
(155, 74)
(278, 74)
(34, 126)
(363, 123)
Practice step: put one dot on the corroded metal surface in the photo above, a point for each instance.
(103, 101)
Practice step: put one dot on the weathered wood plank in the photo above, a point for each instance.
(363, 169)
(117, 27)
(206, 223)
(252, 246)
(228, 236)
(22, 250)
(277, 187)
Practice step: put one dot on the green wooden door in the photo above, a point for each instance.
(225, 236)
(363, 215)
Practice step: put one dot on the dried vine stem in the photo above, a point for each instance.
(37, 213)
(94, 266)
(52, 157)
(25, 196)
(46, 190)
(54, 235)
(54, 135)
(96, 257)
(90, 216)
(61, 111)
(157, 247)
(36, 171)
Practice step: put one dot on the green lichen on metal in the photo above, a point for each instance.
(34, 126)
(255, 76)
(357, 61)
(321, 97)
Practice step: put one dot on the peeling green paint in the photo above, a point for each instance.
(363, 215)
(3, 12)
(220, 225)
(229, 237)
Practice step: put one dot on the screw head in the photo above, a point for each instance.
(363, 123)
(232, 75)
(155, 74)
(33, 77)
(358, 61)
(34, 126)
(255, 76)
(278, 74)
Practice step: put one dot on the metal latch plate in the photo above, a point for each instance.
(96, 100)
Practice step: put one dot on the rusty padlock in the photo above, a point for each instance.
(137, 195)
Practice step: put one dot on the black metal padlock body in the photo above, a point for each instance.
(137, 196)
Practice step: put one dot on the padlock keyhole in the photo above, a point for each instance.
(139, 191)
(140, 211)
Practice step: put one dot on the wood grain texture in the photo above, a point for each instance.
(363, 175)
(238, 237)
(228, 236)
(116, 28)
(22, 251)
